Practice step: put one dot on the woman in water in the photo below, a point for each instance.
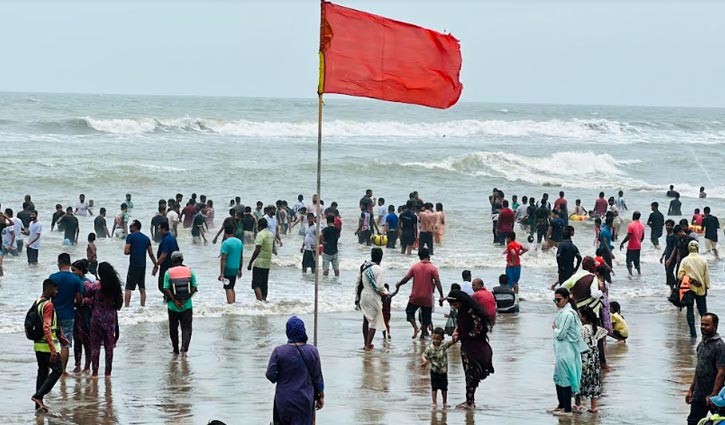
(106, 300)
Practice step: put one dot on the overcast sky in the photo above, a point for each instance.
(583, 52)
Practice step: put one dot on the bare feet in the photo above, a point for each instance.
(77, 369)
(39, 403)
(434, 405)
(94, 376)
(369, 348)
(465, 405)
(183, 354)
(86, 371)
(415, 332)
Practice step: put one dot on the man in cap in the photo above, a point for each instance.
(179, 286)
(694, 275)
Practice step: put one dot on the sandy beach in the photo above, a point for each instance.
(223, 377)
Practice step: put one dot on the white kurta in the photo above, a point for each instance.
(371, 303)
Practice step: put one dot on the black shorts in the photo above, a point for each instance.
(633, 257)
(410, 310)
(308, 259)
(136, 276)
(406, 239)
(232, 281)
(260, 278)
(438, 381)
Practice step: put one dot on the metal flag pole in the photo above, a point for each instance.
(318, 212)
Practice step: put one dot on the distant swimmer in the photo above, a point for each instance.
(675, 206)
(702, 195)
(672, 193)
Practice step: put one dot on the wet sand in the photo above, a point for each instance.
(223, 377)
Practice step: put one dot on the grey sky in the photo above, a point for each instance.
(644, 53)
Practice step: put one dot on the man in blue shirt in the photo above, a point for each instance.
(391, 227)
(556, 230)
(163, 256)
(232, 252)
(137, 246)
(70, 293)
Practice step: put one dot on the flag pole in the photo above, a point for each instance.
(318, 212)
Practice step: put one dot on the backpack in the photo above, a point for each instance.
(34, 322)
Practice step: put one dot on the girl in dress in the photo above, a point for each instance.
(590, 380)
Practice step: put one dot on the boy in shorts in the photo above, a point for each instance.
(437, 355)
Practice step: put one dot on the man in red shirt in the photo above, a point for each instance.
(425, 280)
(634, 238)
(506, 218)
(514, 250)
(600, 206)
(485, 299)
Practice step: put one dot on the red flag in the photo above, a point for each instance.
(367, 55)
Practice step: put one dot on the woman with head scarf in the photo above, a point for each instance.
(472, 331)
(106, 299)
(295, 368)
(568, 346)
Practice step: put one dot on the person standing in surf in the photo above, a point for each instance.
(370, 293)
(425, 280)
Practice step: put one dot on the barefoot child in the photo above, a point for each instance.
(621, 331)
(387, 299)
(590, 380)
(437, 355)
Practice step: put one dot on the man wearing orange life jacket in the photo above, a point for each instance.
(695, 282)
(46, 349)
(179, 286)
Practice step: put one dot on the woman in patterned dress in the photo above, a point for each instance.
(105, 300)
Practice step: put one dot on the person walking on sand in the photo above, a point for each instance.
(694, 278)
(46, 348)
(296, 371)
(69, 293)
(591, 370)
(425, 280)
(568, 346)
(472, 330)
(179, 286)
(370, 290)
(711, 225)
(437, 356)
(105, 300)
(709, 372)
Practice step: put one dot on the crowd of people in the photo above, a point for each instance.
(80, 302)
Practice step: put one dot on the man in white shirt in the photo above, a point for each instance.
(173, 216)
(34, 231)
(82, 207)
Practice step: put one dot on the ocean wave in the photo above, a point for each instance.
(573, 128)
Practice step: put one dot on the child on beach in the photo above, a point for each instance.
(452, 321)
(621, 331)
(91, 254)
(387, 300)
(590, 380)
(437, 355)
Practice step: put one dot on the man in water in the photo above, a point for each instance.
(466, 285)
(179, 285)
(485, 299)
(34, 231)
(600, 206)
(70, 293)
(57, 215)
(506, 299)
(514, 251)
(634, 238)
(69, 222)
(159, 218)
(695, 268)
(562, 206)
(273, 226)
(259, 211)
(309, 244)
(670, 247)
(709, 372)
(231, 261)
(656, 221)
(329, 238)
(391, 227)
(82, 207)
(565, 256)
(129, 202)
(506, 220)
(620, 202)
(172, 216)
(100, 226)
(363, 231)
(409, 228)
(672, 193)
(197, 231)
(702, 194)
(121, 223)
(261, 259)
(556, 230)
(711, 225)
(167, 246)
(427, 227)
(675, 206)
(188, 213)
(542, 223)
(137, 247)
(425, 279)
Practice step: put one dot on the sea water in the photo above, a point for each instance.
(56, 146)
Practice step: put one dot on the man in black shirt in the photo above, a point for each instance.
(330, 236)
(711, 225)
(506, 299)
(57, 215)
(69, 224)
(675, 206)
(565, 256)
(156, 222)
(709, 372)
(656, 221)
(409, 228)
